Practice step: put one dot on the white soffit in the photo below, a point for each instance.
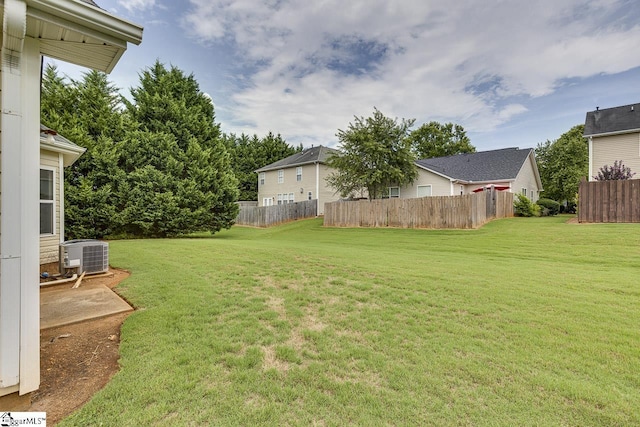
(76, 32)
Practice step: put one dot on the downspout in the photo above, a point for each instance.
(13, 32)
(61, 196)
(589, 178)
(320, 209)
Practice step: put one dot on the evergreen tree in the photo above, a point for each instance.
(251, 153)
(86, 112)
(179, 166)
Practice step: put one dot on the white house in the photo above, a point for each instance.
(75, 31)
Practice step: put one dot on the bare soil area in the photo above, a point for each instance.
(78, 360)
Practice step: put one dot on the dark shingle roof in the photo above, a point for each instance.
(612, 120)
(494, 165)
(318, 154)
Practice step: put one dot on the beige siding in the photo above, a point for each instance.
(300, 189)
(527, 179)
(608, 149)
(49, 243)
(327, 193)
(440, 186)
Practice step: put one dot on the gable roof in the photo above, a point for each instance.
(623, 119)
(51, 140)
(319, 154)
(484, 166)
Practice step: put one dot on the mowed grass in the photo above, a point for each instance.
(522, 322)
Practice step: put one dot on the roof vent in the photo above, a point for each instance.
(632, 108)
(597, 108)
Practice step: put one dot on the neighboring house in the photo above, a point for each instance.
(301, 176)
(56, 153)
(613, 134)
(75, 31)
(508, 169)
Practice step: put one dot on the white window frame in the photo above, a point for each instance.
(523, 191)
(394, 188)
(310, 196)
(291, 198)
(262, 178)
(281, 176)
(267, 201)
(299, 174)
(279, 198)
(429, 186)
(52, 202)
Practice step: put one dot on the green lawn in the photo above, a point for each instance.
(523, 322)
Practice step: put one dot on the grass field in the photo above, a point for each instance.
(523, 322)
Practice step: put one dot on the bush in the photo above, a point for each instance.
(548, 207)
(523, 206)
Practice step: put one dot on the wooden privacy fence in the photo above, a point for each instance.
(466, 211)
(265, 216)
(609, 201)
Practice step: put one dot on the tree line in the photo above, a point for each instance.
(157, 164)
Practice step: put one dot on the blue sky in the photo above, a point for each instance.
(513, 73)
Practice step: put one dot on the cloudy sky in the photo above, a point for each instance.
(513, 73)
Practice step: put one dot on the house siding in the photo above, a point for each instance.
(300, 189)
(49, 243)
(526, 178)
(608, 149)
(440, 186)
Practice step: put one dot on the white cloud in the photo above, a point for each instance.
(314, 65)
(137, 5)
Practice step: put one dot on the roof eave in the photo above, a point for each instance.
(435, 172)
(619, 132)
(69, 153)
(292, 165)
(91, 17)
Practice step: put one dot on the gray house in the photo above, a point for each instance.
(509, 169)
(613, 134)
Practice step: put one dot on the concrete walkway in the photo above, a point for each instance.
(65, 306)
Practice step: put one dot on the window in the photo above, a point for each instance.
(46, 202)
(531, 193)
(280, 176)
(424, 190)
(394, 192)
(261, 178)
(524, 191)
(267, 201)
(310, 196)
(291, 199)
(299, 173)
(279, 199)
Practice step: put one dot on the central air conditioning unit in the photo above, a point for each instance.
(85, 255)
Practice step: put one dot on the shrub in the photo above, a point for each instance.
(523, 206)
(548, 207)
(616, 172)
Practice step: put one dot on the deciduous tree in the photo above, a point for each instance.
(562, 163)
(375, 154)
(435, 139)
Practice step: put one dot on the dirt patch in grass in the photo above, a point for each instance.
(76, 361)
